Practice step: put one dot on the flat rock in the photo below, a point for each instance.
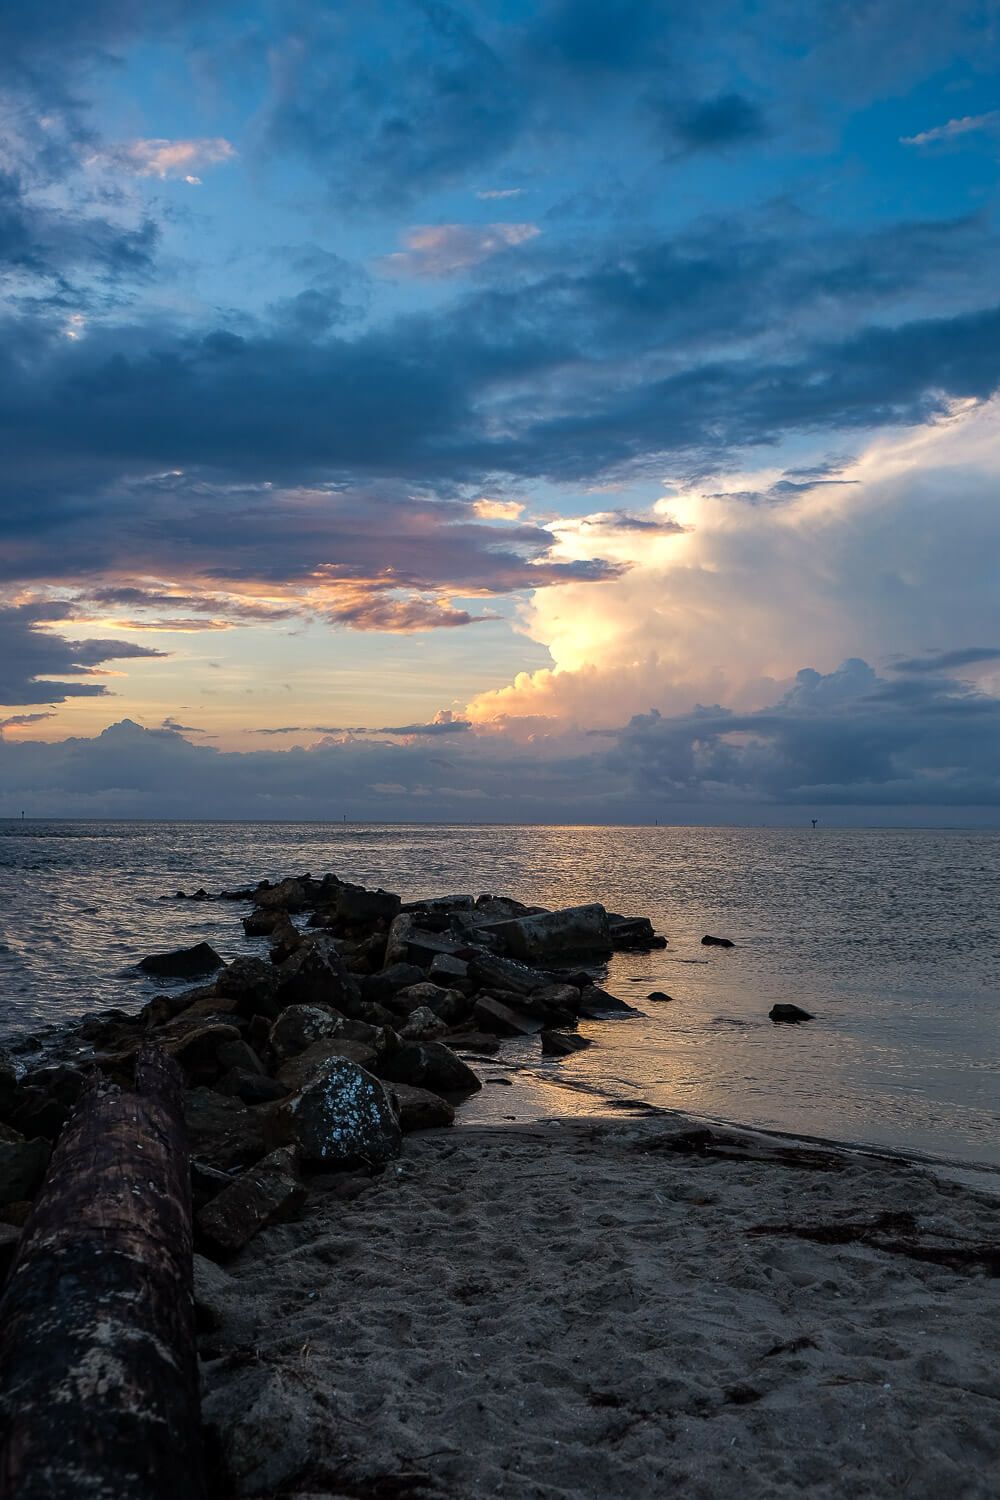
(182, 963)
(263, 1194)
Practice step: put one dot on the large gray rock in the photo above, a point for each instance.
(182, 963)
(299, 1026)
(262, 1195)
(287, 895)
(253, 984)
(360, 907)
(554, 934)
(342, 1118)
(450, 1005)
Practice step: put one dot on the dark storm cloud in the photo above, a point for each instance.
(42, 242)
(30, 656)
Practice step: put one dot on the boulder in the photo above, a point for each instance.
(381, 987)
(557, 1001)
(299, 1071)
(22, 1166)
(790, 1014)
(239, 1055)
(716, 942)
(285, 938)
(553, 934)
(475, 1041)
(252, 984)
(562, 1043)
(419, 1109)
(422, 1025)
(409, 942)
(447, 970)
(449, 1005)
(262, 1195)
(429, 1065)
(264, 920)
(356, 906)
(493, 1015)
(597, 1004)
(342, 1118)
(299, 1026)
(287, 895)
(317, 975)
(182, 963)
(633, 933)
(490, 972)
(222, 1130)
(252, 1088)
(197, 1049)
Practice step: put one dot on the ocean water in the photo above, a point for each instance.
(891, 938)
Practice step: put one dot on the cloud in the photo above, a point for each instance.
(950, 131)
(175, 728)
(944, 661)
(437, 250)
(164, 159)
(497, 510)
(489, 193)
(33, 660)
(724, 610)
(909, 752)
(711, 124)
(19, 721)
(40, 241)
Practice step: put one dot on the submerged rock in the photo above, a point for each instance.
(716, 942)
(596, 1004)
(182, 963)
(342, 1118)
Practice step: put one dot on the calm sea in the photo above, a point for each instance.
(892, 939)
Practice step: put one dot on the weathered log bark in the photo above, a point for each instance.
(98, 1371)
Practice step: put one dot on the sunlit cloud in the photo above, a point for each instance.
(164, 159)
(497, 510)
(499, 192)
(439, 250)
(965, 125)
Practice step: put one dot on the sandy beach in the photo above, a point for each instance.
(577, 1308)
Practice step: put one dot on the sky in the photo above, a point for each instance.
(528, 410)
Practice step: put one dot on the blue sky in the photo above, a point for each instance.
(578, 374)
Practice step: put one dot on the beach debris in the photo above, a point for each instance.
(790, 1014)
(563, 1043)
(716, 942)
(98, 1370)
(265, 1193)
(182, 963)
(343, 1117)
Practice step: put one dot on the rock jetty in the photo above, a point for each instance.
(359, 1019)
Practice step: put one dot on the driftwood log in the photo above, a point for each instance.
(98, 1371)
